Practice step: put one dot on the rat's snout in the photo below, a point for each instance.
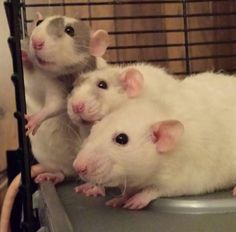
(80, 166)
(37, 43)
(78, 107)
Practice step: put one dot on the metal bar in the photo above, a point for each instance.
(118, 2)
(173, 45)
(24, 23)
(178, 59)
(13, 10)
(186, 42)
(146, 46)
(171, 30)
(154, 16)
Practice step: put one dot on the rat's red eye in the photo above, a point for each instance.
(70, 31)
(122, 139)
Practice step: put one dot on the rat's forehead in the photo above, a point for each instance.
(106, 74)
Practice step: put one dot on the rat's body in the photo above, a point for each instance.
(181, 144)
(58, 50)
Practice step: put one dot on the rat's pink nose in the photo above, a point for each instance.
(80, 168)
(78, 108)
(37, 43)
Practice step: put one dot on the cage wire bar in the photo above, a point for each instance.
(12, 8)
(185, 16)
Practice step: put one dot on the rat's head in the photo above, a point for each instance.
(60, 44)
(127, 147)
(99, 92)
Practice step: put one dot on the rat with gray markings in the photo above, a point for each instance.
(58, 49)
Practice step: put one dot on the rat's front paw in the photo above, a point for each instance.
(90, 190)
(55, 178)
(33, 123)
(116, 202)
(136, 202)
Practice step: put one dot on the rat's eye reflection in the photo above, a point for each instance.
(102, 85)
(38, 22)
(121, 139)
(70, 31)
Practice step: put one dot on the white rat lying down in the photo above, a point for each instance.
(156, 149)
(100, 92)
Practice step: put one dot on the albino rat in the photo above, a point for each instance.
(99, 92)
(59, 49)
(181, 144)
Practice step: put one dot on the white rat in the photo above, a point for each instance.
(59, 49)
(99, 92)
(181, 144)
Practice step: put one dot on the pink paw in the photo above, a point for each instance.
(55, 178)
(33, 123)
(136, 202)
(116, 202)
(234, 191)
(90, 190)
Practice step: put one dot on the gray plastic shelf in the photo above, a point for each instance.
(209, 213)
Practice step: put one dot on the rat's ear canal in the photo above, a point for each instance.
(98, 43)
(132, 81)
(166, 134)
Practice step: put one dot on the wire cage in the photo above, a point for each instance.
(183, 36)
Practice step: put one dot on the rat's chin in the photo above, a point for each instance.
(43, 62)
(87, 120)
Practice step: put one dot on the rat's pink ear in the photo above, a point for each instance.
(166, 134)
(39, 16)
(132, 81)
(99, 43)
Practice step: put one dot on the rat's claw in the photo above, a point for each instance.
(83, 187)
(34, 122)
(136, 202)
(90, 190)
(116, 202)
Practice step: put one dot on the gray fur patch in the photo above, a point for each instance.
(56, 27)
(88, 65)
(81, 37)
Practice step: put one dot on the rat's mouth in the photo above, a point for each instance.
(43, 62)
(87, 122)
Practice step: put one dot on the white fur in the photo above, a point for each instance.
(99, 102)
(204, 160)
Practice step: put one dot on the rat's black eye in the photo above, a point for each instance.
(70, 31)
(122, 139)
(102, 85)
(38, 22)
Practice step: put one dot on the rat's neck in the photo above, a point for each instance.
(70, 77)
